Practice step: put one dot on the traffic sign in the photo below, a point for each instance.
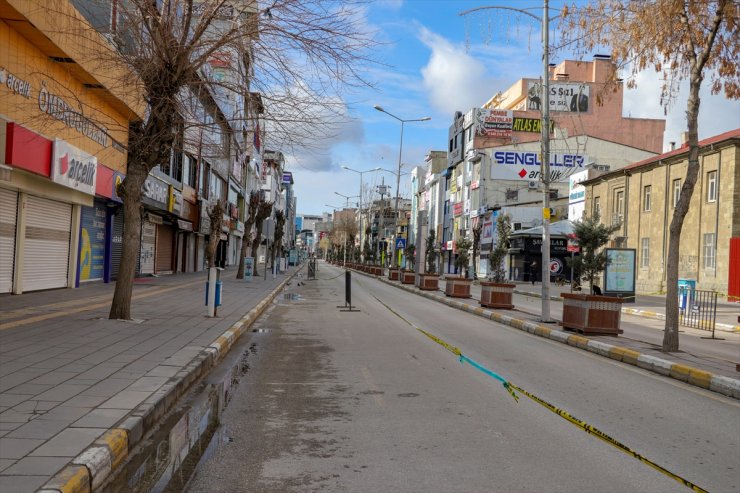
(400, 243)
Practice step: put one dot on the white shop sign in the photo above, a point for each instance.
(73, 167)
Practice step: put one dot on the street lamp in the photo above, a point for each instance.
(346, 198)
(360, 205)
(398, 175)
(545, 145)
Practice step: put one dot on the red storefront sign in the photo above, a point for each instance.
(27, 150)
(457, 209)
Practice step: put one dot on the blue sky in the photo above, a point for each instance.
(434, 62)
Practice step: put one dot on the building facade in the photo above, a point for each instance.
(63, 138)
(641, 198)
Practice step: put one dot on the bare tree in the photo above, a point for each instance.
(252, 206)
(216, 216)
(298, 51)
(277, 244)
(682, 40)
(263, 212)
(476, 247)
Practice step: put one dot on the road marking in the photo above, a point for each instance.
(87, 308)
(377, 393)
(511, 388)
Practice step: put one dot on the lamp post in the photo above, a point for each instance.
(346, 199)
(545, 146)
(398, 175)
(360, 205)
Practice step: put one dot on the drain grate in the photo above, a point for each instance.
(260, 331)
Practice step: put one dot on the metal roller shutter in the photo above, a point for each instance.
(116, 245)
(46, 253)
(165, 244)
(148, 242)
(8, 213)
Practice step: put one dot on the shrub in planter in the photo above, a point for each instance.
(459, 286)
(495, 293)
(429, 280)
(591, 314)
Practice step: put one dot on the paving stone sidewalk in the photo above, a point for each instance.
(67, 374)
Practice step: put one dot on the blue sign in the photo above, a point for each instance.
(92, 243)
(400, 243)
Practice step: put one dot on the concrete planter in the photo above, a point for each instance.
(590, 314)
(496, 295)
(394, 274)
(428, 282)
(408, 277)
(457, 287)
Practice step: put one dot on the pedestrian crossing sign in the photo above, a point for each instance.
(400, 243)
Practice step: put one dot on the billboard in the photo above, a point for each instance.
(525, 165)
(493, 123)
(619, 274)
(571, 97)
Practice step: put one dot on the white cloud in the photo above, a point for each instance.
(454, 79)
(716, 113)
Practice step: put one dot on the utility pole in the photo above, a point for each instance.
(383, 191)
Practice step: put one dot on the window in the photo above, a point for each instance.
(618, 214)
(192, 171)
(709, 251)
(712, 186)
(646, 204)
(205, 181)
(450, 149)
(676, 191)
(645, 252)
(597, 206)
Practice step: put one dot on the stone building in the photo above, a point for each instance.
(641, 197)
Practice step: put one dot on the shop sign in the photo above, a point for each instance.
(474, 185)
(287, 178)
(487, 232)
(15, 84)
(73, 167)
(116, 183)
(525, 166)
(466, 207)
(449, 245)
(573, 246)
(556, 266)
(569, 97)
(530, 125)
(184, 225)
(59, 109)
(457, 209)
(494, 123)
(157, 191)
(174, 201)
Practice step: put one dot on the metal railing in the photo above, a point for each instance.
(697, 308)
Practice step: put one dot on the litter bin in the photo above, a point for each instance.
(219, 286)
(686, 289)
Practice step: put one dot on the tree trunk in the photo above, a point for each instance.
(244, 248)
(256, 244)
(670, 335)
(131, 192)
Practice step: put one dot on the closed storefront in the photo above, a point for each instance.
(148, 245)
(8, 210)
(91, 258)
(116, 245)
(165, 247)
(46, 243)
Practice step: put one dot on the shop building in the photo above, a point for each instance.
(63, 134)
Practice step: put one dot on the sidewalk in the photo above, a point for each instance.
(706, 363)
(69, 377)
(651, 306)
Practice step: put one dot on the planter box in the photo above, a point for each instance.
(428, 282)
(590, 314)
(394, 274)
(496, 295)
(408, 277)
(457, 287)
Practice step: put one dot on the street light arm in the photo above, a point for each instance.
(503, 7)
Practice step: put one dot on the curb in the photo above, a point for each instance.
(98, 462)
(637, 312)
(693, 376)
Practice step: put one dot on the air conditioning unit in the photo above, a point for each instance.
(532, 184)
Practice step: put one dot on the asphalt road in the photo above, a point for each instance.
(361, 401)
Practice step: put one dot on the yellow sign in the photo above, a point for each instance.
(546, 213)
